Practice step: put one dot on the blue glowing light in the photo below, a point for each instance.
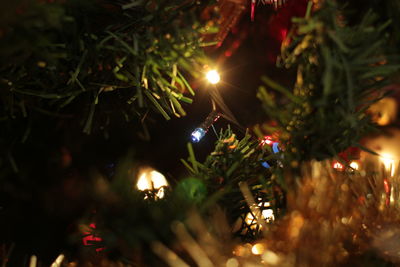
(197, 134)
(275, 147)
(265, 165)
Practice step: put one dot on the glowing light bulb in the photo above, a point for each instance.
(275, 147)
(265, 165)
(198, 134)
(213, 76)
(150, 179)
(388, 162)
(337, 165)
(266, 214)
(267, 140)
(354, 165)
(258, 249)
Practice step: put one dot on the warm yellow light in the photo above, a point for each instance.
(354, 165)
(213, 76)
(270, 257)
(232, 262)
(150, 179)
(338, 166)
(258, 249)
(388, 162)
(266, 214)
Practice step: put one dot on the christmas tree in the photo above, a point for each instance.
(199, 133)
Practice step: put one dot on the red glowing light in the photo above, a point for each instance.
(89, 238)
(228, 53)
(253, 7)
(267, 141)
(283, 34)
(337, 165)
(386, 186)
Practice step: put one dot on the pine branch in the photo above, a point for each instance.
(343, 66)
(65, 51)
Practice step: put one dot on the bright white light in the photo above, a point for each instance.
(150, 179)
(337, 165)
(213, 76)
(197, 135)
(258, 249)
(388, 162)
(354, 165)
(266, 214)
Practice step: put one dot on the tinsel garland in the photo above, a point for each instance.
(333, 218)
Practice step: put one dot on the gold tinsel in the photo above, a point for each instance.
(334, 218)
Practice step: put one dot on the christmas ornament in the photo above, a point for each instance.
(152, 182)
(192, 189)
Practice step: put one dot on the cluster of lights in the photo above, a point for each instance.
(268, 141)
(268, 257)
(340, 167)
(274, 145)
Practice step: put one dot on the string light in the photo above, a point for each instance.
(388, 162)
(213, 76)
(337, 165)
(258, 249)
(201, 131)
(266, 214)
(267, 140)
(354, 165)
(150, 179)
(275, 148)
(197, 135)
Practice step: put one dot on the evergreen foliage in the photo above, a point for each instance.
(92, 60)
(106, 57)
(343, 65)
(235, 161)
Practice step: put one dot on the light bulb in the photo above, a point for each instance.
(354, 165)
(388, 161)
(150, 179)
(213, 76)
(197, 134)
